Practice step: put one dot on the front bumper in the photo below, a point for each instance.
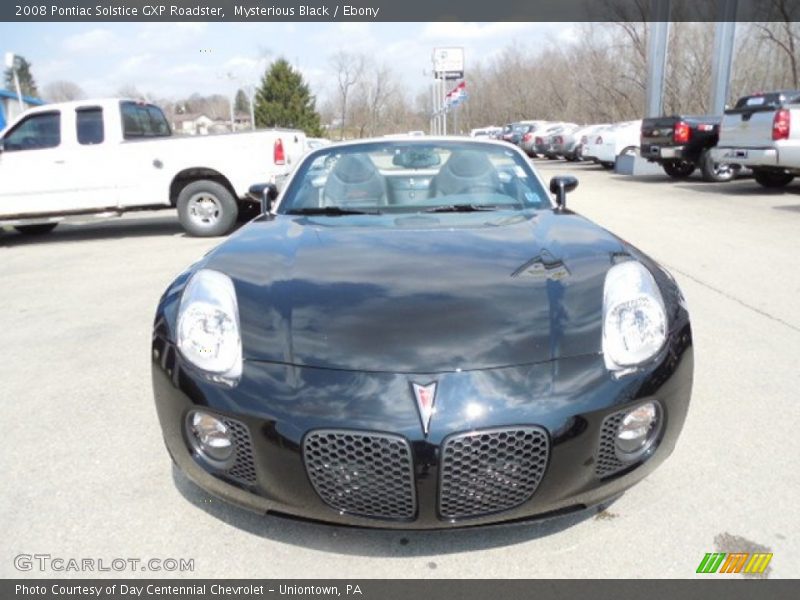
(567, 399)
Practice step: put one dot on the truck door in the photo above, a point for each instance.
(92, 163)
(144, 176)
(34, 177)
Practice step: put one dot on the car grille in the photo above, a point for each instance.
(607, 461)
(243, 468)
(360, 473)
(490, 471)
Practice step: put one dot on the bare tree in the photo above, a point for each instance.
(784, 33)
(63, 91)
(349, 69)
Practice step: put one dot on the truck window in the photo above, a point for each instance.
(143, 121)
(36, 132)
(90, 125)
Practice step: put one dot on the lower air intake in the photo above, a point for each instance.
(489, 471)
(362, 473)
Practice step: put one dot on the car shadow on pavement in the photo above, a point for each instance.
(161, 226)
(377, 542)
(741, 187)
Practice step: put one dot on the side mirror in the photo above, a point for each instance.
(561, 185)
(265, 194)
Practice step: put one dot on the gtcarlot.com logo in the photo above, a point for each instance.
(48, 562)
(734, 562)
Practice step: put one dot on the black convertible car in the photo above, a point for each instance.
(416, 334)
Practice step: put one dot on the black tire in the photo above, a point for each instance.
(634, 150)
(714, 171)
(772, 179)
(679, 169)
(40, 229)
(207, 209)
(607, 165)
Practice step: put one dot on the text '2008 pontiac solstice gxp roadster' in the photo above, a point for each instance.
(416, 334)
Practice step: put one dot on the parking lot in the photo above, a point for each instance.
(85, 473)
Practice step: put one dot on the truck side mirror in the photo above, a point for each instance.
(265, 194)
(561, 185)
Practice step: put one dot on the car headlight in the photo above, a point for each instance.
(208, 326)
(634, 317)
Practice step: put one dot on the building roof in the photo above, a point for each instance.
(25, 99)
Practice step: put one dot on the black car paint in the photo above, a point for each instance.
(657, 133)
(340, 315)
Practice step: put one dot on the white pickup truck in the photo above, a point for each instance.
(762, 132)
(98, 157)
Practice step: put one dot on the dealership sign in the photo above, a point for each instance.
(448, 63)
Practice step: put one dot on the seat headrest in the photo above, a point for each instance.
(469, 163)
(354, 168)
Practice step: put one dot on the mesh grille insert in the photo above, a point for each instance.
(488, 471)
(364, 474)
(243, 468)
(607, 461)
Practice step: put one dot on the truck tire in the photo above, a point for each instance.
(714, 171)
(772, 179)
(679, 169)
(40, 229)
(207, 209)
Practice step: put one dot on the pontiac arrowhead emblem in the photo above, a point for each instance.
(426, 396)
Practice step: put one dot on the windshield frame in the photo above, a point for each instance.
(302, 167)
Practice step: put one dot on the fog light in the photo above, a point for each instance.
(637, 431)
(210, 438)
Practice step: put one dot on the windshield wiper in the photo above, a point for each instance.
(461, 208)
(332, 211)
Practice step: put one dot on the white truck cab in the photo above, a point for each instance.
(115, 155)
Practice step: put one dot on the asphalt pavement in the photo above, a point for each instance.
(84, 474)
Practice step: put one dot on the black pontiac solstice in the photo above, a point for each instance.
(415, 334)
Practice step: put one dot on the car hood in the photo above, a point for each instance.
(419, 293)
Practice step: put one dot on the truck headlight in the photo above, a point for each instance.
(634, 317)
(208, 326)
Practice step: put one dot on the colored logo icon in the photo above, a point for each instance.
(734, 562)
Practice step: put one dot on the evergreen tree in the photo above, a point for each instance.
(241, 104)
(284, 100)
(26, 81)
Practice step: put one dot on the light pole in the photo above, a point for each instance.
(11, 63)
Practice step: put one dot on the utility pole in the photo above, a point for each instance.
(657, 56)
(11, 63)
(724, 37)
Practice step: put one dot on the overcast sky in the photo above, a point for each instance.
(176, 59)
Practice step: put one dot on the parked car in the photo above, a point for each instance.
(541, 139)
(313, 143)
(528, 140)
(112, 156)
(591, 142)
(762, 132)
(555, 141)
(682, 143)
(570, 146)
(487, 132)
(416, 335)
(617, 140)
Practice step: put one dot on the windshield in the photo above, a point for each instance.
(381, 177)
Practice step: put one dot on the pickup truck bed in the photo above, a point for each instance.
(763, 132)
(681, 144)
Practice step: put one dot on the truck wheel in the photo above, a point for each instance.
(679, 169)
(773, 179)
(36, 229)
(714, 171)
(207, 209)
